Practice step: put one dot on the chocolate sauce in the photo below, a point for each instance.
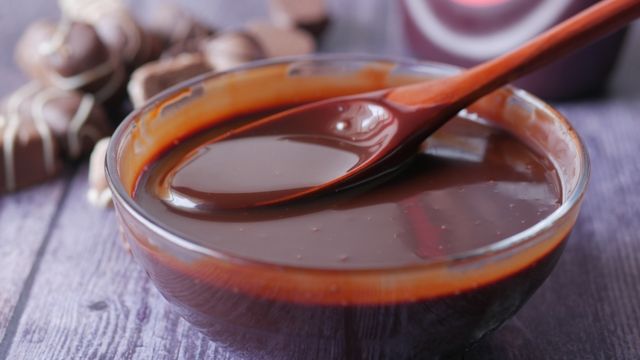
(317, 279)
(471, 185)
(277, 159)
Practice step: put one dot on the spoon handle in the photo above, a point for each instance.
(576, 32)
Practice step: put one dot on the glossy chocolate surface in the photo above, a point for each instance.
(471, 185)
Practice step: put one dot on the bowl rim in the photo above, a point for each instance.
(123, 198)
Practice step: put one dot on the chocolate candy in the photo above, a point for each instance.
(231, 49)
(77, 120)
(30, 152)
(157, 76)
(99, 194)
(69, 56)
(117, 28)
(308, 15)
(174, 25)
(125, 37)
(39, 126)
(276, 41)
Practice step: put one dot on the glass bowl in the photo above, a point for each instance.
(262, 310)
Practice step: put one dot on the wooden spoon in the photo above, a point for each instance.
(380, 130)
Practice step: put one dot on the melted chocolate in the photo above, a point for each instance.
(471, 185)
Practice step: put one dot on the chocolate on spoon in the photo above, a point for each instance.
(337, 143)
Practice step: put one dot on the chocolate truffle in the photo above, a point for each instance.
(308, 15)
(231, 49)
(70, 56)
(276, 41)
(125, 37)
(117, 28)
(30, 151)
(157, 76)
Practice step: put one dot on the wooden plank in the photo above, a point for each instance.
(25, 221)
(91, 300)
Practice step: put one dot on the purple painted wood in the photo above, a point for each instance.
(91, 300)
(25, 227)
(69, 290)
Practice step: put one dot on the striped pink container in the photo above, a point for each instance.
(466, 32)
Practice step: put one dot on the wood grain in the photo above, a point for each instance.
(79, 295)
(25, 225)
(91, 301)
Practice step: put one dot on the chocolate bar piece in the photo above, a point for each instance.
(69, 56)
(277, 41)
(122, 34)
(40, 126)
(99, 194)
(308, 15)
(30, 151)
(157, 76)
(231, 49)
(77, 120)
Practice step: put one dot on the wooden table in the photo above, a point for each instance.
(68, 290)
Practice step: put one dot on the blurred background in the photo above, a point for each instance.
(357, 26)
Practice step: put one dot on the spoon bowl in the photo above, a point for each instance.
(349, 140)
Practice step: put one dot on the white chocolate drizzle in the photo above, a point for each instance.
(11, 121)
(79, 80)
(37, 113)
(75, 132)
(94, 11)
(57, 44)
(57, 41)
(111, 86)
